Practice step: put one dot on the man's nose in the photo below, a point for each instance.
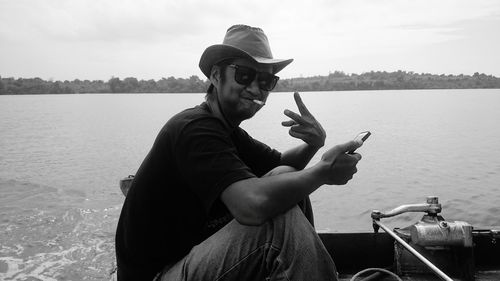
(254, 87)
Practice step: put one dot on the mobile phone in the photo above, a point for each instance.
(361, 136)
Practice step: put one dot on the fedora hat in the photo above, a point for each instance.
(241, 41)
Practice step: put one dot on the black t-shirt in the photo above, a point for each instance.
(174, 200)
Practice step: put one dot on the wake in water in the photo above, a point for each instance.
(43, 237)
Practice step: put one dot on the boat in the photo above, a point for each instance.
(430, 249)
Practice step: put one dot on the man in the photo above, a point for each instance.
(211, 203)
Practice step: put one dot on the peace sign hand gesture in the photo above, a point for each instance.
(304, 126)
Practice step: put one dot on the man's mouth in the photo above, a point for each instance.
(259, 102)
(254, 100)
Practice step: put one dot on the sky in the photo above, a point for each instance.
(149, 39)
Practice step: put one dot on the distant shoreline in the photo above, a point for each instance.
(336, 81)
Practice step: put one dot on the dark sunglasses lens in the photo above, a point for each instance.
(267, 81)
(244, 75)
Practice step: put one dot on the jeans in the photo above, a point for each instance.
(285, 248)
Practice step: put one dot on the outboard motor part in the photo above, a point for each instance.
(447, 246)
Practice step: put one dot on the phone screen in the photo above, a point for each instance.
(361, 136)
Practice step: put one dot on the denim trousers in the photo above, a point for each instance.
(284, 248)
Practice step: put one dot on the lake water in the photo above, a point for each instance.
(61, 157)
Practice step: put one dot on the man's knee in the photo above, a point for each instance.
(294, 219)
(280, 170)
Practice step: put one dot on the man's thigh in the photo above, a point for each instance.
(235, 252)
(239, 252)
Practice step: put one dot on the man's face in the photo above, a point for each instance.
(237, 100)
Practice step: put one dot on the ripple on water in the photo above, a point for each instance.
(79, 246)
(63, 242)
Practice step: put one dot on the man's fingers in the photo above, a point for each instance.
(288, 123)
(297, 118)
(298, 135)
(304, 112)
(349, 146)
(300, 104)
(302, 130)
(355, 155)
(343, 148)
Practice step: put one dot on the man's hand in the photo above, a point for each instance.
(341, 165)
(304, 126)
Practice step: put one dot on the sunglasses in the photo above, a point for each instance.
(245, 76)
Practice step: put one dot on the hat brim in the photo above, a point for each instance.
(217, 53)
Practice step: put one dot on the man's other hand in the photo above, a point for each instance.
(340, 165)
(304, 126)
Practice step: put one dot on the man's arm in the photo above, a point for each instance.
(254, 201)
(299, 156)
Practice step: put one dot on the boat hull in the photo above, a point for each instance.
(353, 252)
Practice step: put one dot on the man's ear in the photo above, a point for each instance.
(215, 76)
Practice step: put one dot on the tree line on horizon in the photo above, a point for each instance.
(336, 81)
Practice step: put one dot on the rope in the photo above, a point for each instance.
(375, 269)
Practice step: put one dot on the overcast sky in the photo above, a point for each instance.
(98, 39)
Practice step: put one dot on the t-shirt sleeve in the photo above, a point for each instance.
(258, 156)
(208, 159)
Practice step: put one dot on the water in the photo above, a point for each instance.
(61, 157)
